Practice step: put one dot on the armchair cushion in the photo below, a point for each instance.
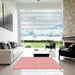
(72, 48)
(51, 45)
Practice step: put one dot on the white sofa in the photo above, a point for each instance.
(9, 55)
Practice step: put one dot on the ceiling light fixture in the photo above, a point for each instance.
(38, 0)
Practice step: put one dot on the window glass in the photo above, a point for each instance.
(41, 23)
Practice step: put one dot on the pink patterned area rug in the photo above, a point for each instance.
(37, 63)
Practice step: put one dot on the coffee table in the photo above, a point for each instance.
(41, 53)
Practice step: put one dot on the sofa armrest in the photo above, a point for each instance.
(6, 56)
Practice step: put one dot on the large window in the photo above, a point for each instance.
(40, 24)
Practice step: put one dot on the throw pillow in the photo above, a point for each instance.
(3, 45)
(13, 44)
(9, 46)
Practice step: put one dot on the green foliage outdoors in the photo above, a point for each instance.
(28, 46)
(40, 43)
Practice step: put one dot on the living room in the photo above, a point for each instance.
(27, 28)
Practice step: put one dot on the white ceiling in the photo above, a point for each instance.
(34, 4)
(39, 6)
(30, 1)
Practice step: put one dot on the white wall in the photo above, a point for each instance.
(6, 35)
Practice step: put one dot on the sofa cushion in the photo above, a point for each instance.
(17, 51)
